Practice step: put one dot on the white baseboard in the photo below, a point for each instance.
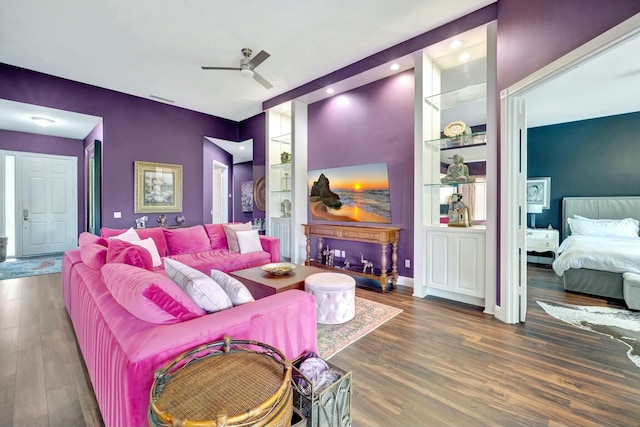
(405, 281)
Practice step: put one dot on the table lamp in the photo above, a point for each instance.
(533, 210)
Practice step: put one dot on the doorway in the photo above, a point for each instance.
(517, 103)
(41, 207)
(220, 199)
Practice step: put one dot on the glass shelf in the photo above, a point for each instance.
(454, 98)
(470, 139)
(453, 184)
(284, 139)
(286, 166)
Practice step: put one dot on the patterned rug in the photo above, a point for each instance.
(369, 315)
(622, 325)
(34, 266)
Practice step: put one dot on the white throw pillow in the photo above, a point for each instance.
(230, 231)
(128, 236)
(604, 228)
(249, 241)
(235, 289)
(202, 289)
(584, 218)
(150, 245)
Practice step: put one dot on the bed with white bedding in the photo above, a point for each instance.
(600, 242)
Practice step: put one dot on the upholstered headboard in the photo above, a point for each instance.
(599, 208)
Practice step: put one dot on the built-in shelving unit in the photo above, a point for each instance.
(451, 114)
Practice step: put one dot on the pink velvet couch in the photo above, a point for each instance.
(122, 352)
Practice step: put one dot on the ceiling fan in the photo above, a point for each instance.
(248, 65)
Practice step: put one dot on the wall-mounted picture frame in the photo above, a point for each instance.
(539, 192)
(157, 187)
(246, 196)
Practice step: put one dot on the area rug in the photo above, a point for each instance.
(22, 267)
(369, 315)
(623, 325)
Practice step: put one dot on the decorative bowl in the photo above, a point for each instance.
(279, 268)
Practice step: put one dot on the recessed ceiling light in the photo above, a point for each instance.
(455, 44)
(464, 56)
(330, 91)
(241, 147)
(394, 66)
(42, 121)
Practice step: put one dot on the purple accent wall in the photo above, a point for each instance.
(35, 143)
(467, 22)
(533, 34)
(134, 129)
(256, 127)
(371, 124)
(241, 172)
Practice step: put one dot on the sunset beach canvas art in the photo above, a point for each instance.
(357, 193)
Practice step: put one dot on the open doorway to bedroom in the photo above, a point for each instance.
(587, 84)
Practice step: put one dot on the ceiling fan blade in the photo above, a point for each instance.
(257, 77)
(258, 59)
(220, 68)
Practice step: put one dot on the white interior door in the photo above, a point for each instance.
(220, 208)
(522, 202)
(49, 204)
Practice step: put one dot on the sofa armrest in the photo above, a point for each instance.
(272, 245)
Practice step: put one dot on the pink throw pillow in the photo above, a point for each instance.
(149, 296)
(189, 240)
(93, 255)
(122, 252)
(217, 237)
(86, 238)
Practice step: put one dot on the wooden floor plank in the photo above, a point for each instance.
(437, 363)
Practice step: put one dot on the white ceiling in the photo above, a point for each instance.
(156, 47)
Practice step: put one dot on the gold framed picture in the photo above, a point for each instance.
(158, 187)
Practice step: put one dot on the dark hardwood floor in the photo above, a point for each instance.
(438, 363)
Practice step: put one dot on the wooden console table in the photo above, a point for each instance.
(366, 234)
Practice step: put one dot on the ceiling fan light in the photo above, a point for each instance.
(42, 121)
(246, 73)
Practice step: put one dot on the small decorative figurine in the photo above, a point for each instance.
(285, 157)
(142, 222)
(179, 219)
(162, 220)
(285, 208)
(366, 264)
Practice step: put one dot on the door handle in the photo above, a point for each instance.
(25, 214)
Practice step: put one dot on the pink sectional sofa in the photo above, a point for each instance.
(122, 351)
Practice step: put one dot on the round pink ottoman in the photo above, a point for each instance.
(335, 296)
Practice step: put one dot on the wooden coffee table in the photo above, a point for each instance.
(262, 284)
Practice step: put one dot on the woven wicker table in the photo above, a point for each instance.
(226, 383)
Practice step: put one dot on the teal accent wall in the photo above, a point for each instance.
(597, 157)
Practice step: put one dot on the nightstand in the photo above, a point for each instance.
(542, 241)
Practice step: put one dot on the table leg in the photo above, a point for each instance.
(307, 260)
(383, 267)
(394, 263)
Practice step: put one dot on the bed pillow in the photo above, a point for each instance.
(603, 228)
(249, 241)
(202, 289)
(149, 296)
(235, 289)
(230, 232)
(584, 218)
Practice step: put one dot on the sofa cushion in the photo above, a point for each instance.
(222, 259)
(128, 235)
(121, 252)
(188, 240)
(86, 237)
(202, 289)
(232, 239)
(155, 233)
(217, 236)
(249, 241)
(94, 255)
(237, 291)
(150, 245)
(149, 296)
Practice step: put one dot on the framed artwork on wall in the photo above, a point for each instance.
(539, 192)
(158, 187)
(246, 196)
